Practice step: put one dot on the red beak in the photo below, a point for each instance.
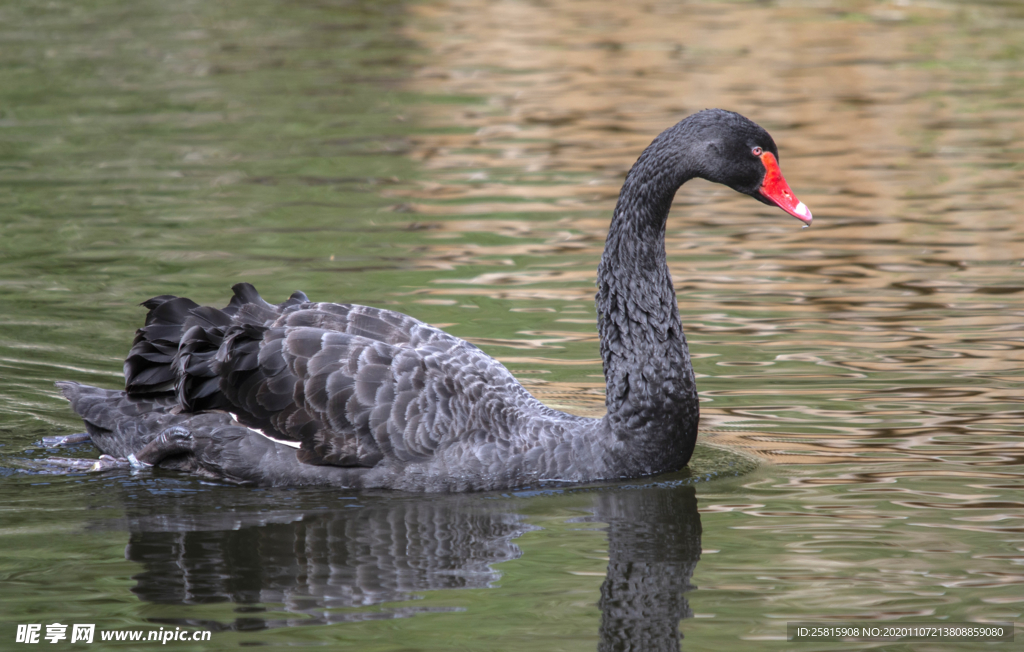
(775, 188)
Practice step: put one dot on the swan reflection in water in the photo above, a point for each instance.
(653, 547)
(322, 564)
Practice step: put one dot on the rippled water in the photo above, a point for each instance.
(459, 161)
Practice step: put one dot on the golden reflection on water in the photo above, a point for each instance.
(889, 332)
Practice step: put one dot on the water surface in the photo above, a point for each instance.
(459, 161)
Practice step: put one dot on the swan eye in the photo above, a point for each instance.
(757, 151)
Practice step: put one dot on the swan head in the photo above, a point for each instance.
(735, 151)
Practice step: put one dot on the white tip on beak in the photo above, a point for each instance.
(803, 213)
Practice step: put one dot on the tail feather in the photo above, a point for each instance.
(84, 399)
(148, 367)
(118, 423)
(245, 293)
(197, 379)
(180, 348)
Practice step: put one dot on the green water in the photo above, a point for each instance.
(458, 161)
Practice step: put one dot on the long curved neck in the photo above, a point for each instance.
(651, 395)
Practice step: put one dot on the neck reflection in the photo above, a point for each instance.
(654, 544)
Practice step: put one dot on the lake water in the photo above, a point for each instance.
(861, 457)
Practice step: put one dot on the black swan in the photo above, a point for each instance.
(304, 393)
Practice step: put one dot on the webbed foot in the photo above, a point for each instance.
(61, 465)
(172, 441)
(66, 440)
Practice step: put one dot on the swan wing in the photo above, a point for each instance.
(352, 385)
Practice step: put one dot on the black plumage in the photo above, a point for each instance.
(264, 393)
